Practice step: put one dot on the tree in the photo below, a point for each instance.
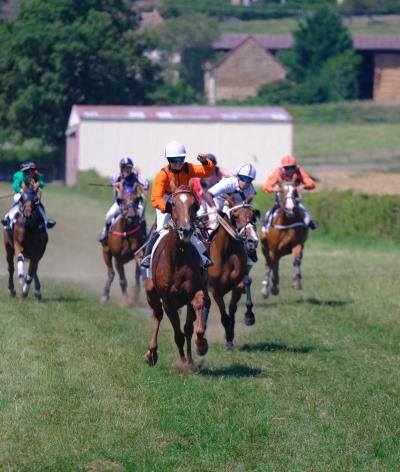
(56, 54)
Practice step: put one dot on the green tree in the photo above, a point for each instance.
(191, 37)
(55, 54)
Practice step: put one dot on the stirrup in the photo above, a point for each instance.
(145, 262)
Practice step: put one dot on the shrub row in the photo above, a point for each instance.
(345, 214)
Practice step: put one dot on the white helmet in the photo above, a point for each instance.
(247, 170)
(175, 149)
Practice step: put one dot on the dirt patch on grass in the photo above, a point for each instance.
(371, 182)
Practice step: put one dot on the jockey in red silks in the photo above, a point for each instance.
(289, 170)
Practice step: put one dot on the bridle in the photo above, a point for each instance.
(290, 197)
(181, 232)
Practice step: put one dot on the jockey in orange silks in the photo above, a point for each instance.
(292, 171)
(179, 172)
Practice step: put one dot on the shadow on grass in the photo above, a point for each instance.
(274, 347)
(62, 299)
(305, 301)
(235, 370)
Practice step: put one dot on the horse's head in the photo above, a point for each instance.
(243, 217)
(128, 205)
(29, 204)
(288, 197)
(184, 205)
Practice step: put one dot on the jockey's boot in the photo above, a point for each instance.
(104, 233)
(313, 224)
(50, 223)
(145, 262)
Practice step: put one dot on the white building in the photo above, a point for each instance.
(99, 136)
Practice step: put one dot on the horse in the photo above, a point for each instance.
(287, 234)
(229, 245)
(28, 239)
(126, 235)
(179, 279)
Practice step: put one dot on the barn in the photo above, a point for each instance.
(98, 136)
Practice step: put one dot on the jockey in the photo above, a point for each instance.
(126, 179)
(290, 170)
(180, 172)
(216, 176)
(239, 188)
(27, 177)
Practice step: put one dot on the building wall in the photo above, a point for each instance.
(244, 71)
(387, 78)
(103, 143)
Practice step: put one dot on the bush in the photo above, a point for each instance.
(345, 214)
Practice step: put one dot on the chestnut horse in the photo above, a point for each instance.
(126, 235)
(179, 279)
(230, 271)
(27, 240)
(287, 234)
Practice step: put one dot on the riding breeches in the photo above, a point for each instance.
(15, 208)
(115, 210)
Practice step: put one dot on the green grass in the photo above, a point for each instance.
(312, 386)
(362, 25)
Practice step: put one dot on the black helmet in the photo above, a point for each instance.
(212, 158)
(28, 165)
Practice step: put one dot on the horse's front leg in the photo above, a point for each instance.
(201, 305)
(266, 282)
(10, 264)
(155, 303)
(275, 276)
(179, 337)
(137, 281)
(18, 251)
(32, 269)
(297, 252)
(249, 318)
(122, 279)
(225, 319)
(236, 295)
(38, 293)
(107, 256)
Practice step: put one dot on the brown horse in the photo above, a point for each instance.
(126, 235)
(230, 271)
(27, 240)
(287, 234)
(178, 279)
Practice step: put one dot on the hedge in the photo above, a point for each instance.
(346, 214)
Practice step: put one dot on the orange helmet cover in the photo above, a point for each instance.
(288, 161)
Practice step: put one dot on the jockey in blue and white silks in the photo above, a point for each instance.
(126, 179)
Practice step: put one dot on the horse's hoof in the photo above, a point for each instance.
(151, 358)
(104, 299)
(229, 346)
(297, 285)
(249, 319)
(38, 297)
(21, 279)
(274, 290)
(202, 347)
(264, 291)
(12, 292)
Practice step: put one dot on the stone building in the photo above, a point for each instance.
(241, 72)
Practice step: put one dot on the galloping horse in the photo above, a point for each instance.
(287, 234)
(179, 279)
(126, 235)
(230, 271)
(27, 240)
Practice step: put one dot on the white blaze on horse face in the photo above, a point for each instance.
(251, 232)
(290, 198)
(183, 197)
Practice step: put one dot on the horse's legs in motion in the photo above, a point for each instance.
(33, 265)
(154, 302)
(275, 276)
(122, 279)
(107, 256)
(297, 252)
(38, 293)
(188, 330)
(173, 316)
(225, 319)
(10, 263)
(137, 281)
(249, 317)
(265, 283)
(236, 295)
(201, 305)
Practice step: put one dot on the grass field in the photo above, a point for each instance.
(312, 386)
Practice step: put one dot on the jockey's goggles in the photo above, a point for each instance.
(176, 160)
(245, 178)
(126, 167)
(290, 168)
